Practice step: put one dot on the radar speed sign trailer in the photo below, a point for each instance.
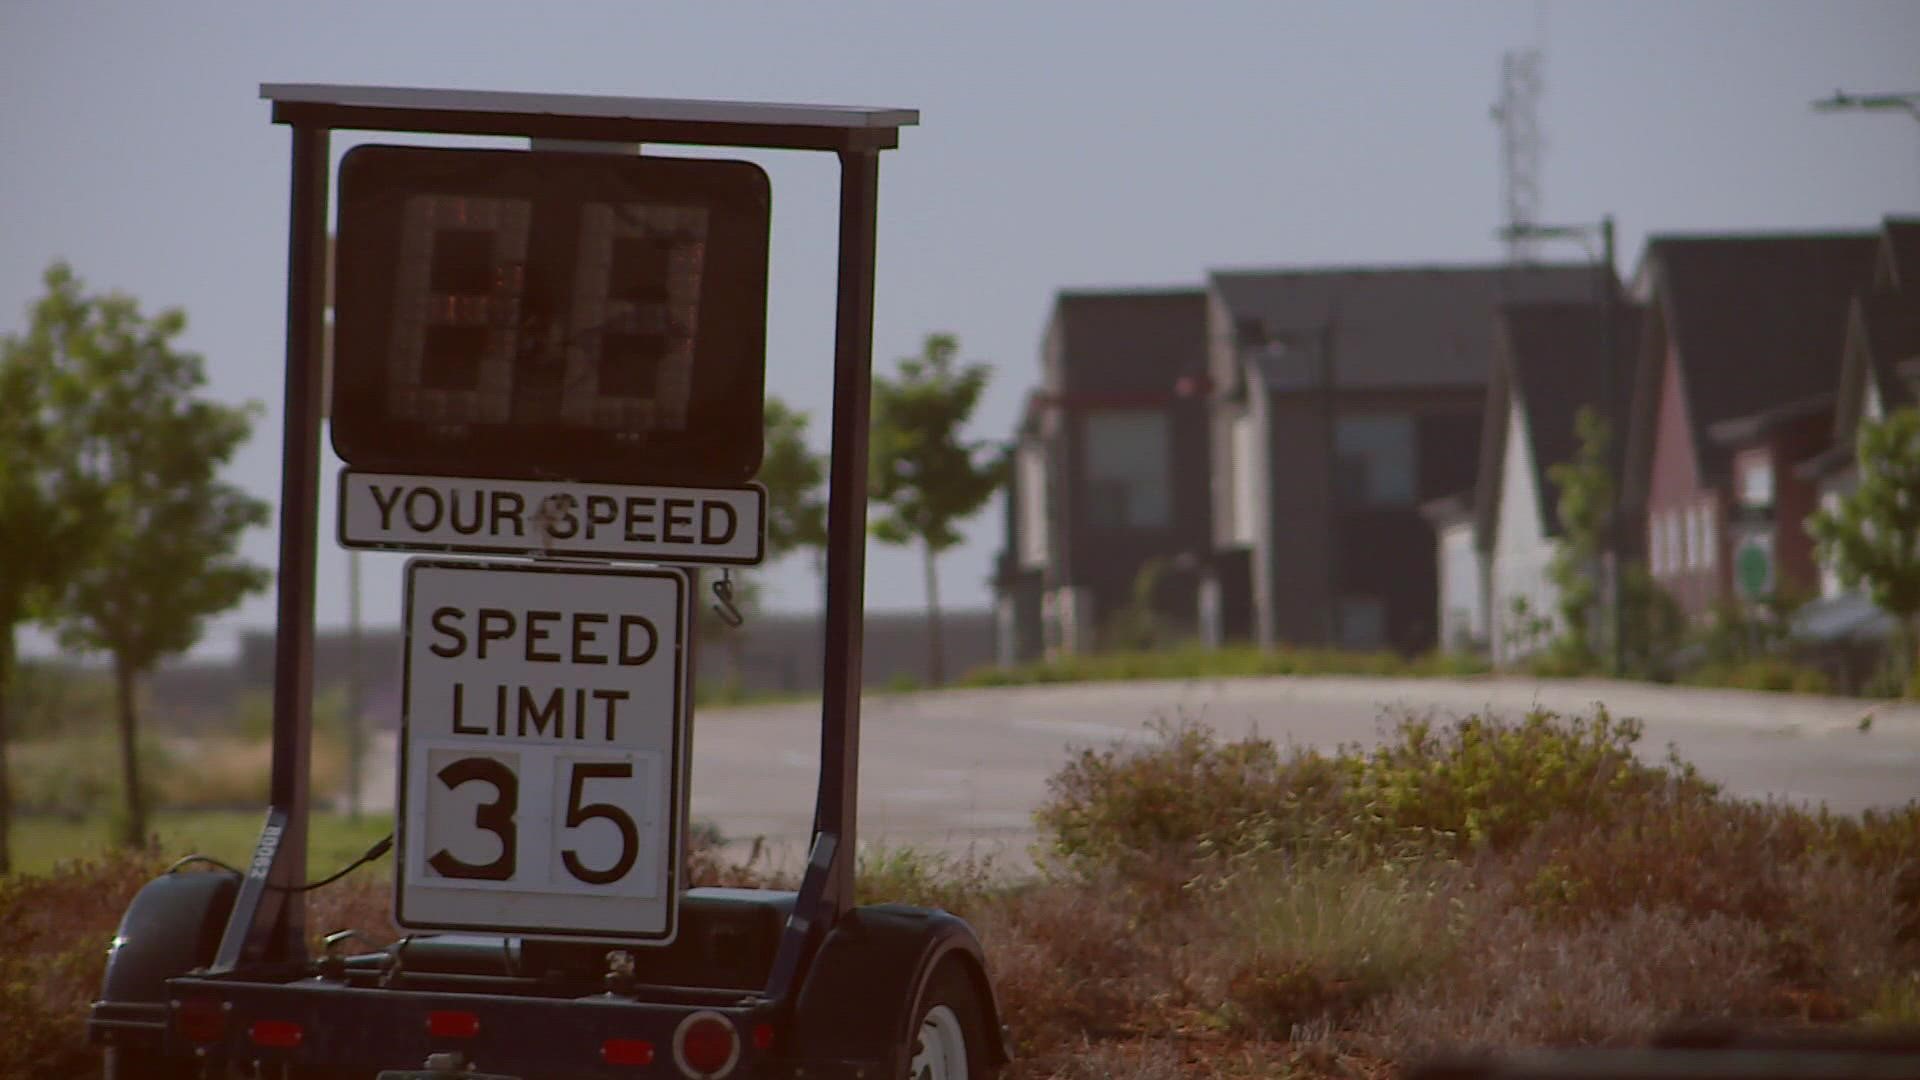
(553, 358)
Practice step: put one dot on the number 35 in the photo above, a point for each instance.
(497, 817)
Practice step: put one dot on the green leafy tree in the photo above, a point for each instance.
(925, 476)
(45, 513)
(161, 559)
(1585, 505)
(1872, 537)
(796, 518)
(793, 476)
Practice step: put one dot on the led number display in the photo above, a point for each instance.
(545, 315)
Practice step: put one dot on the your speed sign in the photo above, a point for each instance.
(543, 749)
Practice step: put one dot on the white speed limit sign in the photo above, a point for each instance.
(543, 749)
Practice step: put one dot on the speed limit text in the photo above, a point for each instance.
(510, 710)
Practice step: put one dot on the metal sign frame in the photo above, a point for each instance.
(268, 919)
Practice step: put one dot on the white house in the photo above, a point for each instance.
(1546, 369)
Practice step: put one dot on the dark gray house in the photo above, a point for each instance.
(1109, 477)
(1342, 400)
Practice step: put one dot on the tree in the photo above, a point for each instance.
(924, 476)
(44, 515)
(161, 558)
(1584, 508)
(792, 475)
(1872, 536)
(796, 518)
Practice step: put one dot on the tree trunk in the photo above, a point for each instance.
(6, 788)
(936, 651)
(133, 832)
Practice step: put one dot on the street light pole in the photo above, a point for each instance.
(1841, 100)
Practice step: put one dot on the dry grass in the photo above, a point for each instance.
(1236, 911)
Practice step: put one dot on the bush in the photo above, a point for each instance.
(1193, 661)
(1476, 782)
(1771, 673)
(57, 928)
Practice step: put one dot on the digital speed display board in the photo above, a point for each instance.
(549, 315)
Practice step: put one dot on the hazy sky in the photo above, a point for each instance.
(1062, 145)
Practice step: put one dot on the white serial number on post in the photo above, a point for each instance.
(725, 526)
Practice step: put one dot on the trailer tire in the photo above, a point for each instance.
(950, 1037)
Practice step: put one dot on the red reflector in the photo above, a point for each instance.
(626, 1052)
(709, 1045)
(763, 1036)
(443, 1024)
(200, 1019)
(282, 1034)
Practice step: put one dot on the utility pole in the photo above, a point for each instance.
(1612, 560)
(1330, 522)
(1893, 102)
(1613, 617)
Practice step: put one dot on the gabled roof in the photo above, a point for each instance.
(1899, 262)
(1756, 322)
(1888, 328)
(1130, 339)
(1391, 326)
(1550, 355)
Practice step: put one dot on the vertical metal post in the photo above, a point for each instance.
(1612, 559)
(847, 524)
(1330, 524)
(269, 922)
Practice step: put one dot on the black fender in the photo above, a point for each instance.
(867, 982)
(172, 926)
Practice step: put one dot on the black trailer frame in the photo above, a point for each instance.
(838, 966)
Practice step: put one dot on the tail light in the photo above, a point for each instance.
(626, 1052)
(201, 1020)
(706, 1046)
(448, 1024)
(277, 1034)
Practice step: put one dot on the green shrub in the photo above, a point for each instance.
(1186, 794)
(1195, 661)
(1771, 673)
(1475, 782)
(1483, 781)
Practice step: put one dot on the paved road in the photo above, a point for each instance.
(964, 769)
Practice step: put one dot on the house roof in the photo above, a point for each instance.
(1551, 353)
(1889, 324)
(1756, 321)
(1130, 339)
(1390, 326)
(1899, 255)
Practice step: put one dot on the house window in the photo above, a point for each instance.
(1363, 622)
(1691, 518)
(1127, 469)
(1756, 484)
(1656, 563)
(1031, 462)
(1375, 460)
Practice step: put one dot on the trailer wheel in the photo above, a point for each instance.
(949, 1035)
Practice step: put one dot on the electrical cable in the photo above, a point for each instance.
(381, 847)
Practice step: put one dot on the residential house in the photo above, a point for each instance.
(1879, 372)
(1108, 491)
(1739, 361)
(1344, 400)
(1548, 366)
